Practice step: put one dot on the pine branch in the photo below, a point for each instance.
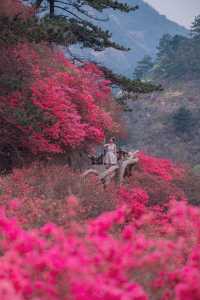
(129, 85)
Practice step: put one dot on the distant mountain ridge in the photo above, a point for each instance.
(140, 30)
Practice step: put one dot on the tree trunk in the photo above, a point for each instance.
(38, 3)
(51, 8)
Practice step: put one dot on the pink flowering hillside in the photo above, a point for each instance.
(132, 252)
(64, 236)
(52, 247)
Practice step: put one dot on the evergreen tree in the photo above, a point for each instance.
(143, 67)
(183, 121)
(164, 46)
(178, 57)
(174, 57)
(66, 23)
(72, 18)
(196, 27)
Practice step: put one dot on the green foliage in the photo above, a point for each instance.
(57, 30)
(196, 27)
(183, 121)
(178, 57)
(196, 169)
(136, 86)
(100, 5)
(128, 86)
(11, 83)
(173, 57)
(143, 67)
(76, 25)
(61, 25)
(66, 28)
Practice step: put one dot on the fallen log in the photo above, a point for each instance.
(117, 172)
(89, 172)
(124, 166)
(108, 174)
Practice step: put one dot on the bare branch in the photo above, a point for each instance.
(85, 13)
(69, 12)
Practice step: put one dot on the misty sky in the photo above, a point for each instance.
(181, 11)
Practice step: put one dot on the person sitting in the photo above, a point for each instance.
(132, 154)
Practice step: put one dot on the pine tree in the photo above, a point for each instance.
(196, 27)
(183, 121)
(172, 57)
(143, 67)
(72, 18)
(65, 23)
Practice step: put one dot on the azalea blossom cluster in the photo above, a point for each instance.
(48, 104)
(164, 168)
(38, 194)
(42, 191)
(133, 251)
(129, 253)
(57, 105)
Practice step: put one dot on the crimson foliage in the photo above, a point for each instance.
(129, 250)
(133, 252)
(51, 104)
(47, 103)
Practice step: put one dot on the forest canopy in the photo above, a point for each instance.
(178, 57)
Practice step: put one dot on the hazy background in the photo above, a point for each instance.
(140, 31)
(180, 11)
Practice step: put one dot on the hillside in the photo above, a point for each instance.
(129, 233)
(158, 126)
(140, 30)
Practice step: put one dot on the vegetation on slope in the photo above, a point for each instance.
(66, 238)
(178, 58)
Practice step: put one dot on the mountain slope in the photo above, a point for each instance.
(152, 125)
(139, 30)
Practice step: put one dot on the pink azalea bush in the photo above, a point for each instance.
(38, 194)
(153, 256)
(162, 179)
(58, 106)
(130, 250)
(163, 168)
(48, 104)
